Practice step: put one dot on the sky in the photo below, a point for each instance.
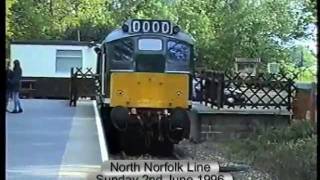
(310, 43)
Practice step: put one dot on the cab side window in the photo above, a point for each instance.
(121, 53)
(123, 50)
(179, 54)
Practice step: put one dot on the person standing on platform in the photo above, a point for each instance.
(17, 74)
(196, 87)
(9, 82)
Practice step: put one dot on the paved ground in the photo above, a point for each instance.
(202, 109)
(51, 140)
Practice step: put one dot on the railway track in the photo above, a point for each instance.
(177, 154)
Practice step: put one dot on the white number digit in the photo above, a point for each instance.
(165, 27)
(155, 26)
(146, 26)
(135, 26)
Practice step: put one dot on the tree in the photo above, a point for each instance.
(9, 31)
(222, 29)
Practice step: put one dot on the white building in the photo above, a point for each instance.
(53, 58)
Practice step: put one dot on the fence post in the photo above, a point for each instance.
(202, 78)
(313, 99)
(71, 87)
(221, 88)
(75, 87)
(290, 85)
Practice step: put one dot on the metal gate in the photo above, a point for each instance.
(212, 86)
(82, 84)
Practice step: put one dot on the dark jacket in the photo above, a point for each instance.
(9, 79)
(16, 80)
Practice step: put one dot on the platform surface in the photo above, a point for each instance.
(202, 109)
(207, 110)
(51, 140)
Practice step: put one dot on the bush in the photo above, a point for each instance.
(286, 153)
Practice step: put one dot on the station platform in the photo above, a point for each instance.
(206, 110)
(232, 123)
(51, 140)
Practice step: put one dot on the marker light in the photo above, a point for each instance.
(176, 29)
(125, 28)
(97, 50)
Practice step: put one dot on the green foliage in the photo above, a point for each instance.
(222, 29)
(308, 75)
(9, 4)
(303, 62)
(286, 153)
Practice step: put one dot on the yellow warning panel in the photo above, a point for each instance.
(149, 90)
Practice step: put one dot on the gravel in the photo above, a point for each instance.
(209, 151)
(205, 151)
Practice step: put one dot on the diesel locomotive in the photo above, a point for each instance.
(145, 69)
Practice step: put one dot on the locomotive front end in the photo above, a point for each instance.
(148, 69)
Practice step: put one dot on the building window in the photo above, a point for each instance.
(66, 59)
(246, 67)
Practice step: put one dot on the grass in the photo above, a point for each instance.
(286, 153)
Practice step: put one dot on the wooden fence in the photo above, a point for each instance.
(244, 90)
(82, 84)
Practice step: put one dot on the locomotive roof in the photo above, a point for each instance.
(119, 34)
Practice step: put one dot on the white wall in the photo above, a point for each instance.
(40, 60)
